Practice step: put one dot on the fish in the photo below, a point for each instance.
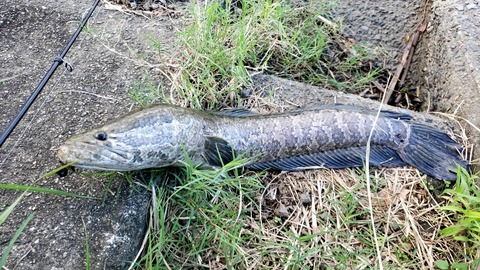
(321, 136)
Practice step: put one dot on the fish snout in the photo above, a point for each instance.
(63, 154)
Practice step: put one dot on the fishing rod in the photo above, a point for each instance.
(58, 61)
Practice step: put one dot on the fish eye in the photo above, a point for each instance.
(101, 136)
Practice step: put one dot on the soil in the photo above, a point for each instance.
(114, 55)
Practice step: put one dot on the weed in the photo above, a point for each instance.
(3, 216)
(43, 190)
(464, 208)
(88, 264)
(444, 265)
(200, 217)
(221, 47)
(156, 44)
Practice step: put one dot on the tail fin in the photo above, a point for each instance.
(433, 152)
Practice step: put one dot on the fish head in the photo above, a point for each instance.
(138, 141)
(97, 150)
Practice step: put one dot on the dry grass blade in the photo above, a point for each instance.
(367, 173)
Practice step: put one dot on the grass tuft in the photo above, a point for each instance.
(145, 93)
(222, 46)
(464, 209)
(199, 217)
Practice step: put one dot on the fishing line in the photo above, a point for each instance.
(57, 62)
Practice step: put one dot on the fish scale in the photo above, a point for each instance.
(323, 136)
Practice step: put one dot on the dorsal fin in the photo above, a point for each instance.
(235, 112)
(361, 109)
(396, 115)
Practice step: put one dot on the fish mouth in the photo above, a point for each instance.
(90, 156)
(62, 153)
(96, 168)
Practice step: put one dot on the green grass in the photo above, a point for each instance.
(199, 215)
(145, 92)
(221, 47)
(27, 188)
(88, 263)
(51, 191)
(224, 219)
(464, 209)
(212, 218)
(44, 190)
(3, 217)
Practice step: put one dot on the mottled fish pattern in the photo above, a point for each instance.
(323, 136)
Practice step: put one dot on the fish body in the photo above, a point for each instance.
(328, 136)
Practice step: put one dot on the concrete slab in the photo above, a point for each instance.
(452, 63)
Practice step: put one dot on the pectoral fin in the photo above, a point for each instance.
(218, 151)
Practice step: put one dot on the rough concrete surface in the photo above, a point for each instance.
(32, 34)
(384, 25)
(114, 55)
(452, 61)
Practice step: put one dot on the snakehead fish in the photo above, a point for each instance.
(323, 136)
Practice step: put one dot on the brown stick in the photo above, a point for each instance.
(415, 38)
(402, 68)
(399, 70)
